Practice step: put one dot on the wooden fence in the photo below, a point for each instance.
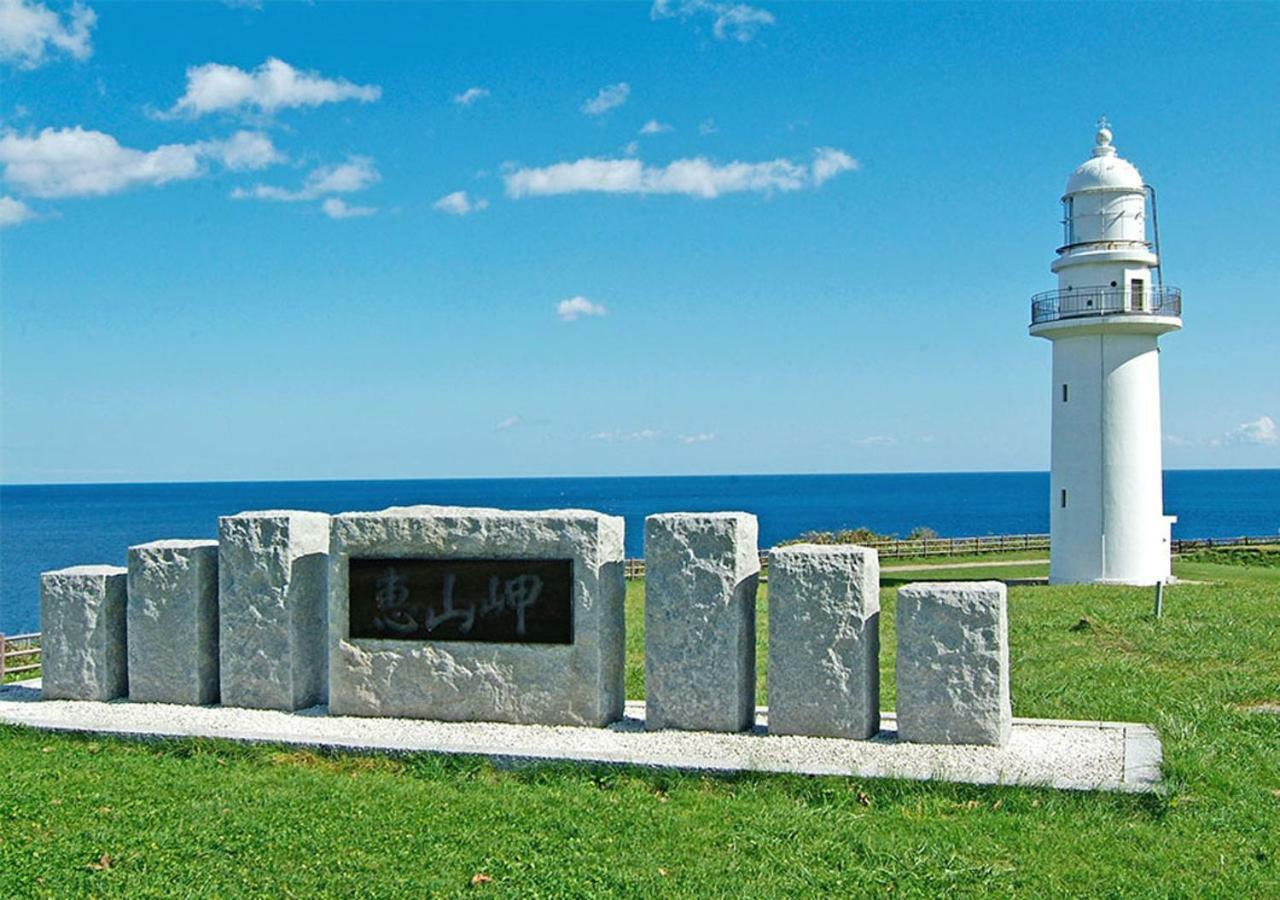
(19, 653)
(1182, 545)
(893, 548)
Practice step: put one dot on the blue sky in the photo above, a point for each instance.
(236, 246)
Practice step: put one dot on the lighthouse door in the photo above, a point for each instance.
(1137, 296)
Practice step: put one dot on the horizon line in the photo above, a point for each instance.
(18, 484)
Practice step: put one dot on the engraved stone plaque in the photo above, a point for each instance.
(496, 601)
(460, 614)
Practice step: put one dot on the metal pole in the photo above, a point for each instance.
(1159, 599)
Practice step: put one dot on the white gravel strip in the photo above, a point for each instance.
(1105, 756)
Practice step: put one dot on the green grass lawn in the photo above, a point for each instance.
(93, 816)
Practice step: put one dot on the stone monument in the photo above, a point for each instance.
(173, 622)
(82, 625)
(953, 663)
(273, 602)
(824, 641)
(701, 571)
(464, 614)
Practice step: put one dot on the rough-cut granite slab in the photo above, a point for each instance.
(701, 571)
(952, 668)
(82, 633)
(273, 602)
(1089, 756)
(173, 622)
(551, 684)
(824, 641)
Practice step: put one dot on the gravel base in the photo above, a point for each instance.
(1096, 756)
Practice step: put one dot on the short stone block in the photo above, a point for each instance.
(701, 571)
(83, 652)
(953, 663)
(409, 671)
(173, 622)
(273, 601)
(824, 641)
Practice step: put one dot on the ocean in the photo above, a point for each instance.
(50, 526)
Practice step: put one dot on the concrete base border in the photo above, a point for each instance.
(1070, 755)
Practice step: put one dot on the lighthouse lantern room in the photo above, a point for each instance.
(1106, 520)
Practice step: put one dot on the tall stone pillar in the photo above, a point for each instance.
(824, 641)
(701, 571)
(273, 602)
(82, 633)
(173, 622)
(953, 663)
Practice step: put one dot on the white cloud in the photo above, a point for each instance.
(1261, 432)
(707, 126)
(736, 20)
(829, 162)
(575, 307)
(701, 437)
(508, 422)
(876, 440)
(245, 151)
(73, 162)
(653, 126)
(460, 204)
(272, 86)
(626, 437)
(14, 212)
(606, 99)
(697, 177)
(470, 95)
(356, 174)
(337, 208)
(631, 149)
(30, 33)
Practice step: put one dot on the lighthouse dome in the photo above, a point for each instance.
(1105, 170)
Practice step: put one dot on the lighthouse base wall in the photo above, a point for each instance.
(1107, 521)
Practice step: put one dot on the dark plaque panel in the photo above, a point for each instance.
(496, 601)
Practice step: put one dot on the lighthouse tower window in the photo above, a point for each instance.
(1064, 498)
(1064, 393)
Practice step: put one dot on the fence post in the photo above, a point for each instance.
(2, 656)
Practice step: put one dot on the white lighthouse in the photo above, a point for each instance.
(1106, 520)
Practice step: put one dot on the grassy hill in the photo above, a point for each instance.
(94, 816)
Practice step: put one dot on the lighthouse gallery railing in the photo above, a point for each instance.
(1105, 301)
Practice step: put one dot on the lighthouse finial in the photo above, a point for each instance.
(1102, 140)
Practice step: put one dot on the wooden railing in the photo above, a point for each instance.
(961, 546)
(19, 653)
(1182, 545)
(894, 548)
(891, 548)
